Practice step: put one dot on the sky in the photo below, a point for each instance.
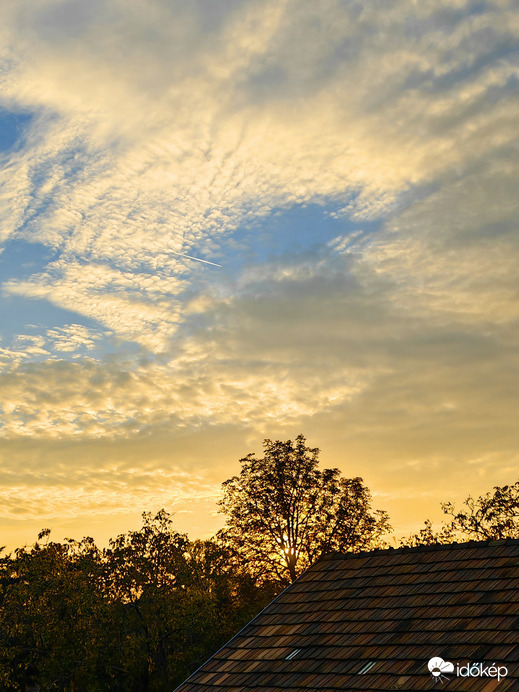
(344, 174)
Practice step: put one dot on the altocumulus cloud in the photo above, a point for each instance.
(161, 128)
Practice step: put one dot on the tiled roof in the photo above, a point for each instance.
(394, 609)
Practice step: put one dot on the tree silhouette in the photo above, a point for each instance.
(494, 515)
(54, 622)
(283, 513)
(138, 616)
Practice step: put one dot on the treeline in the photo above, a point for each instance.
(139, 615)
(145, 612)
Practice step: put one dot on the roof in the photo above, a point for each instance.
(395, 609)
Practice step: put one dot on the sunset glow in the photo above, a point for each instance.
(227, 221)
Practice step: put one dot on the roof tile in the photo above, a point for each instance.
(397, 608)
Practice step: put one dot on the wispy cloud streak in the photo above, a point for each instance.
(164, 133)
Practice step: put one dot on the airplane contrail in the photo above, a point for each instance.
(197, 259)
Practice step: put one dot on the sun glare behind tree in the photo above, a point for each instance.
(283, 513)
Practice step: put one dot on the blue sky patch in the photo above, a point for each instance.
(21, 260)
(287, 231)
(12, 126)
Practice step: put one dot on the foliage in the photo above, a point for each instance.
(51, 607)
(142, 579)
(142, 614)
(427, 536)
(139, 616)
(492, 516)
(283, 513)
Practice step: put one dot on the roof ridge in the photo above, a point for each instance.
(418, 548)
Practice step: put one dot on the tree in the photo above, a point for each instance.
(54, 624)
(493, 516)
(176, 602)
(142, 578)
(283, 513)
(428, 536)
(138, 616)
(221, 597)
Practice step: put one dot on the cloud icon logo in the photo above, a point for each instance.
(438, 667)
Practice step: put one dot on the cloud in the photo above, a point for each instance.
(43, 495)
(137, 306)
(155, 134)
(100, 487)
(452, 254)
(72, 337)
(162, 128)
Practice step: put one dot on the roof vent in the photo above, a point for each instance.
(293, 654)
(366, 667)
